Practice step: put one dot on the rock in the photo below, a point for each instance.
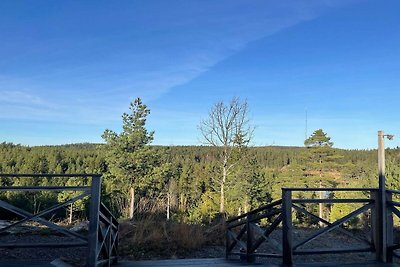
(4, 223)
(82, 226)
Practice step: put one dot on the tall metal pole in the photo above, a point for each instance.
(381, 248)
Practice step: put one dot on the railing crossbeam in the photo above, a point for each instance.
(343, 231)
(236, 239)
(265, 234)
(25, 214)
(102, 239)
(334, 225)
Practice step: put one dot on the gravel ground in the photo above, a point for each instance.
(76, 256)
(331, 240)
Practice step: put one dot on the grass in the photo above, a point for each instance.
(151, 237)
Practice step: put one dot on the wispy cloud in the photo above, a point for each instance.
(19, 97)
(158, 47)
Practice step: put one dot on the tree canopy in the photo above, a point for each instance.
(129, 157)
(228, 128)
(318, 139)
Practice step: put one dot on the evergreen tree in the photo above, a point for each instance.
(128, 155)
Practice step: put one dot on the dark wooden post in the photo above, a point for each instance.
(287, 227)
(381, 249)
(250, 238)
(115, 261)
(389, 229)
(94, 221)
(109, 239)
(374, 221)
(227, 240)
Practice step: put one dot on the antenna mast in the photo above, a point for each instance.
(306, 133)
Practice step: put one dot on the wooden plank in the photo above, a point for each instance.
(266, 215)
(44, 245)
(394, 203)
(116, 243)
(44, 212)
(267, 232)
(236, 238)
(393, 191)
(234, 225)
(265, 207)
(47, 175)
(104, 219)
(103, 239)
(374, 221)
(49, 224)
(389, 228)
(287, 227)
(328, 189)
(395, 211)
(263, 255)
(334, 225)
(327, 201)
(343, 231)
(241, 243)
(331, 251)
(94, 221)
(249, 239)
(44, 188)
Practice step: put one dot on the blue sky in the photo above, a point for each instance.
(69, 69)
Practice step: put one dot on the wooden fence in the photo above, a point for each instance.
(244, 235)
(102, 238)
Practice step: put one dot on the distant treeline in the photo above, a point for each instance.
(188, 175)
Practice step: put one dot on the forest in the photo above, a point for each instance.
(183, 183)
(185, 176)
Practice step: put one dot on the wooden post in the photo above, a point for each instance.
(287, 227)
(227, 241)
(374, 221)
(94, 221)
(389, 229)
(250, 238)
(381, 248)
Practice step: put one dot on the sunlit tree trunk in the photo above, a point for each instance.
(71, 210)
(131, 202)
(222, 190)
(168, 205)
(228, 128)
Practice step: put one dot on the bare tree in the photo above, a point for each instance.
(227, 127)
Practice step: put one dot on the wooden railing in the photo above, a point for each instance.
(290, 248)
(240, 231)
(102, 238)
(244, 233)
(392, 209)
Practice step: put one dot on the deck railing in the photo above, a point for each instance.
(240, 231)
(244, 234)
(392, 209)
(102, 238)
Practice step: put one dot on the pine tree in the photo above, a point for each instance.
(128, 155)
